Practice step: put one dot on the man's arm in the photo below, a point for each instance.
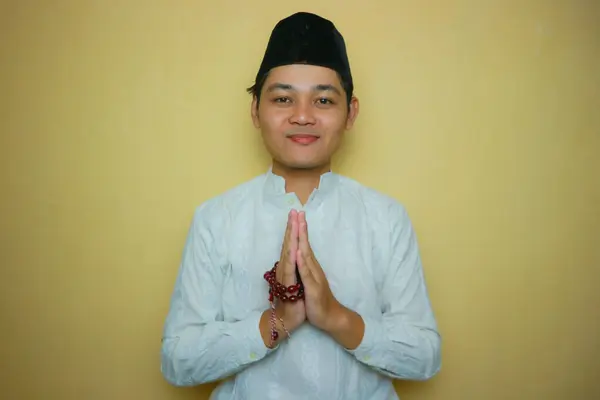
(197, 345)
(346, 327)
(404, 343)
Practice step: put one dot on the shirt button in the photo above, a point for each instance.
(253, 356)
(366, 358)
(290, 201)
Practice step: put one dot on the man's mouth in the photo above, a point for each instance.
(304, 139)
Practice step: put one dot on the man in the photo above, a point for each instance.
(301, 283)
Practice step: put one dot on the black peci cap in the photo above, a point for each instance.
(305, 38)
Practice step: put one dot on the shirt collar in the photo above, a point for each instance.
(274, 188)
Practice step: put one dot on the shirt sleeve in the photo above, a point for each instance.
(198, 346)
(402, 343)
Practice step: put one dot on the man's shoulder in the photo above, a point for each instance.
(384, 212)
(375, 199)
(223, 204)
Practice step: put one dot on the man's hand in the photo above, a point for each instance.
(322, 308)
(293, 313)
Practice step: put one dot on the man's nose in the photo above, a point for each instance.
(303, 113)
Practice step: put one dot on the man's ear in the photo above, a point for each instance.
(254, 112)
(353, 109)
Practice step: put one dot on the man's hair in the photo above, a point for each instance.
(256, 89)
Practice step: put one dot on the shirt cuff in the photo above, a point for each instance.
(374, 333)
(256, 348)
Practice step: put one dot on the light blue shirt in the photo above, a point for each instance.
(367, 248)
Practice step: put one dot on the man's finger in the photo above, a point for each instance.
(292, 244)
(309, 251)
(287, 261)
(303, 234)
(305, 272)
(316, 267)
(286, 235)
(309, 256)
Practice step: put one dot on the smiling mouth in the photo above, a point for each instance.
(304, 139)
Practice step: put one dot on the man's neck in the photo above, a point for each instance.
(300, 181)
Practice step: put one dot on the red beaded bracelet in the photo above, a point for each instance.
(280, 291)
(274, 332)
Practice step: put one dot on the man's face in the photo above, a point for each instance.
(303, 113)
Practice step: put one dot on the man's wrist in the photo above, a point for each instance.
(338, 320)
(267, 323)
(346, 327)
(285, 324)
(289, 320)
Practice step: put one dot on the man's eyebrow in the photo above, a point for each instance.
(279, 86)
(327, 88)
(317, 88)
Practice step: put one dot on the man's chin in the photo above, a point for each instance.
(304, 164)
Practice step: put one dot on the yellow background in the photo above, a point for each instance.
(119, 117)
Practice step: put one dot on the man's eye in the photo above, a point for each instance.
(324, 101)
(282, 100)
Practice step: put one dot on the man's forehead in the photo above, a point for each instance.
(303, 76)
(314, 87)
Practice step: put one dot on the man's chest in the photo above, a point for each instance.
(344, 249)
